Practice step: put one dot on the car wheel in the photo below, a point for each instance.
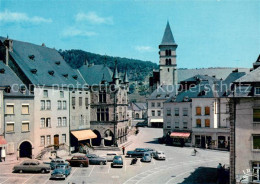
(81, 165)
(21, 171)
(43, 171)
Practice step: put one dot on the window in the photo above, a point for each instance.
(176, 111)
(102, 114)
(42, 140)
(61, 94)
(80, 101)
(185, 111)
(198, 111)
(42, 105)
(256, 172)
(48, 137)
(207, 123)
(64, 121)
(86, 101)
(102, 97)
(42, 122)
(45, 93)
(185, 125)
(9, 109)
(257, 91)
(198, 123)
(153, 113)
(64, 105)
(158, 104)
(59, 105)
(63, 138)
(48, 105)
(153, 104)
(207, 110)
(48, 122)
(25, 127)
(256, 142)
(159, 113)
(137, 115)
(256, 115)
(10, 127)
(73, 101)
(168, 125)
(177, 124)
(168, 113)
(25, 109)
(59, 121)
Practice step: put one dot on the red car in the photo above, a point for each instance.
(78, 161)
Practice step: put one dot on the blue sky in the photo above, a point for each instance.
(209, 33)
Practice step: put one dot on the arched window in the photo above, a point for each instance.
(137, 115)
(166, 52)
(169, 62)
(166, 61)
(169, 52)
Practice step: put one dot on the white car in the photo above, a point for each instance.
(160, 155)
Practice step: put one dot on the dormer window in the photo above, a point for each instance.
(2, 70)
(57, 62)
(34, 71)
(65, 75)
(51, 72)
(8, 89)
(22, 89)
(31, 57)
(257, 91)
(75, 77)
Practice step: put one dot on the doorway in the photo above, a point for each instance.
(25, 150)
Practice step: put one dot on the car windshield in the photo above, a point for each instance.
(60, 166)
(147, 154)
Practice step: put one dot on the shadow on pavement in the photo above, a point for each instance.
(206, 175)
(155, 141)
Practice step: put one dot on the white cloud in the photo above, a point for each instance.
(71, 32)
(144, 49)
(8, 16)
(94, 18)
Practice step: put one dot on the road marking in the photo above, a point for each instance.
(91, 171)
(28, 179)
(125, 167)
(72, 173)
(108, 169)
(5, 180)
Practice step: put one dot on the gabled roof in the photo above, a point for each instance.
(252, 77)
(168, 37)
(43, 65)
(96, 73)
(9, 79)
(139, 106)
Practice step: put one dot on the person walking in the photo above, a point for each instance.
(3, 154)
(123, 150)
(195, 152)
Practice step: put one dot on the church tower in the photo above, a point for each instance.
(168, 74)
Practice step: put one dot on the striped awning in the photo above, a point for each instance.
(180, 135)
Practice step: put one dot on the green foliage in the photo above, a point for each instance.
(137, 70)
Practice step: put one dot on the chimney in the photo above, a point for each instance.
(8, 48)
(235, 70)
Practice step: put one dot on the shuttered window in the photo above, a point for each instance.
(64, 103)
(25, 127)
(207, 110)
(73, 101)
(207, 123)
(80, 101)
(9, 109)
(10, 127)
(198, 110)
(198, 122)
(25, 109)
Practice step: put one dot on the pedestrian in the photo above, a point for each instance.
(195, 151)
(3, 155)
(123, 150)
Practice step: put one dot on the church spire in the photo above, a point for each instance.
(115, 74)
(126, 77)
(168, 37)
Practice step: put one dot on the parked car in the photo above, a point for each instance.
(160, 155)
(81, 161)
(146, 157)
(96, 160)
(110, 157)
(61, 171)
(31, 166)
(117, 162)
(142, 124)
(138, 152)
(151, 150)
(57, 161)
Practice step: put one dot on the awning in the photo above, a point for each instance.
(156, 121)
(2, 140)
(180, 135)
(84, 134)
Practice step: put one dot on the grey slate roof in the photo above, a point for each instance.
(43, 65)
(94, 74)
(199, 77)
(168, 37)
(163, 92)
(139, 106)
(9, 79)
(252, 77)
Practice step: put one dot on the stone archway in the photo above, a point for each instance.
(109, 138)
(96, 141)
(25, 150)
